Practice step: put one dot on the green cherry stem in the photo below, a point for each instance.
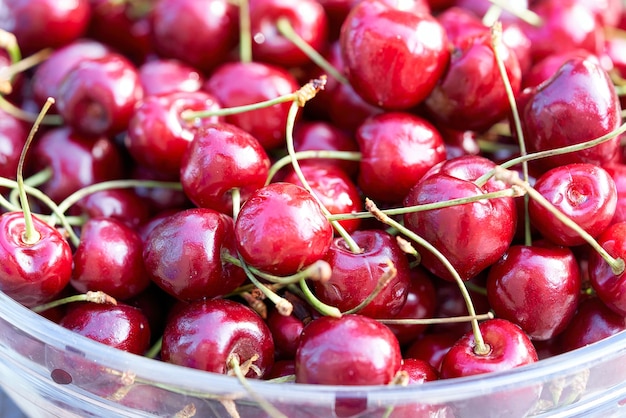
(33, 181)
(8, 42)
(286, 29)
(310, 154)
(318, 305)
(91, 296)
(480, 347)
(245, 35)
(383, 281)
(510, 177)
(433, 321)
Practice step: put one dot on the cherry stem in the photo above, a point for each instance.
(383, 281)
(31, 235)
(33, 181)
(434, 321)
(497, 46)
(8, 42)
(511, 177)
(318, 305)
(245, 35)
(492, 15)
(480, 347)
(511, 192)
(25, 116)
(525, 14)
(155, 350)
(310, 154)
(8, 73)
(255, 301)
(286, 29)
(235, 194)
(91, 296)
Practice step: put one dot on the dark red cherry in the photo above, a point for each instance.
(120, 326)
(159, 199)
(617, 171)
(182, 255)
(124, 205)
(13, 133)
(109, 258)
(157, 136)
(536, 287)
(237, 84)
(382, 46)
(584, 192)
(308, 20)
(206, 335)
(608, 285)
(281, 228)
(286, 331)
(98, 95)
(212, 31)
(545, 68)
(162, 76)
(431, 347)
(222, 157)
(33, 273)
(356, 275)
(577, 104)
(351, 350)
(397, 149)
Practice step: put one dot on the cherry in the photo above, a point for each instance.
(282, 368)
(617, 171)
(286, 331)
(419, 371)
(157, 136)
(213, 33)
(162, 75)
(159, 199)
(281, 229)
(208, 334)
(356, 275)
(98, 95)
(548, 66)
(351, 350)
(559, 112)
(13, 134)
(397, 149)
(121, 326)
(383, 46)
(237, 84)
(607, 283)
(220, 158)
(124, 205)
(182, 255)
(431, 347)
(536, 287)
(109, 258)
(585, 193)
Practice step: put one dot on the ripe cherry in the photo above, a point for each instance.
(608, 284)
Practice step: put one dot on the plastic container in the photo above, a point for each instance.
(51, 372)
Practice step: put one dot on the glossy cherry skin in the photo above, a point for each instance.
(76, 161)
(205, 334)
(33, 273)
(351, 350)
(182, 255)
(355, 275)
(308, 20)
(286, 331)
(535, 287)
(585, 193)
(419, 371)
(13, 133)
(43, 24)
(337, 192)
(431, 347)
(109, 258)
(281, 229)
(545, 68)
(120, 326)
(157, 136)
(124, 205)
(471, 236)
(471, 95)
(222, 157)
(610, 287)
(162, 75)
(383, 46)
(97, 96)
(238, 83)
(213, 33)
(577, 104)
(397, 149)
(617, 171)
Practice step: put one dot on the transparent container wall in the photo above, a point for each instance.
(50, 372)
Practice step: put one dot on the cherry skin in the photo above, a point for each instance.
(286, 331)
(617, 171)
(608, 285)
(397, 149)
(109, 258)
(13, 133)
(548, 66)
(419, 371)
(383, 46)
(281, 229)
(577, 104)
(124, 205)
(351, 350)
(97, 96)
(162, 75)
(157, 136)
(356, 275)
(222, 157)
(182, 255)
(121, 326)
(585, 193)
(431, 347)
(536, 287)
(33, 273)
(206, 334)
(238, 84)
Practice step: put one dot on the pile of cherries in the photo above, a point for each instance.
(337, 192)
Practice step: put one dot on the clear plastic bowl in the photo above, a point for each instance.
(51, 372)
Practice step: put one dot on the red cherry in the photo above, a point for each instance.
(33, 273)
(548, 66)
(617, 172)
(13, 135)
(431, 347)
(286, 331)
(585, 193)
(124, 205)
(383, 46)
(419, 371)
(608, 285)
(351, 350)
(206, 334)
(162, 76)
(281, 228)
